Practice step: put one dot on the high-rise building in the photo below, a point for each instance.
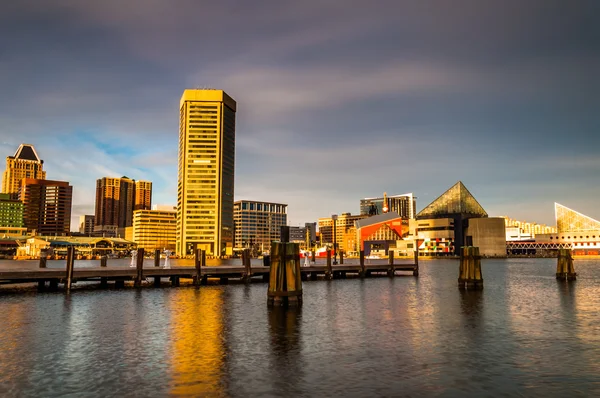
(24, 164)
(155, 229)
(206, 172)
(11, 211)
(46, 206)
(257, 224)
(86, 224)
(114, 203)
(404, 205)
(143, 195)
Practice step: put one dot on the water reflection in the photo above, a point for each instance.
(286, 365)
(197, 351)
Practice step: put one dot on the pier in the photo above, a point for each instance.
(196, 274)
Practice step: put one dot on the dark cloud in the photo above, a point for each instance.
(355, 97)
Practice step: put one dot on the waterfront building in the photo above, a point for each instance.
(25, 163)
(580, 232)
(345, 230)
(457, 211)
(525, 230)
(404, 205)
(11, 211)
(155, 229)
(206, 172)
(114, 204)
(257, 224)
(46, 206)
(305, 236)
(143, 195)
(379, 234)
(86, 224)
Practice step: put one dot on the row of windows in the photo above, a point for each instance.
(574, 237)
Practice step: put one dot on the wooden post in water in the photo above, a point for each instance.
(391, 271)
(285, 282)
(361, 259)
(246, 261)
(70, 266)
(328, 269)
(157, 258)
(341, 257)
(416, 253)
(103, 281)
(470, 269)
(313, 255)
(43, 260)
(564, 266)
(139, 266)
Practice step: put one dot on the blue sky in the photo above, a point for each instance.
(336, 100)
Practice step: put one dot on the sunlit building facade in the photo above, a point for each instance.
(206, 173)
(114, 204)
(404, 205)
(458, 209)
(143, 195)
(11, 211)
(25, 163)
(46, 206)
(155, 229)
(257, 224)
(86, 224)
(580, 232)
(345, 231)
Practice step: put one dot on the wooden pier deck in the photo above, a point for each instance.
(199, 275)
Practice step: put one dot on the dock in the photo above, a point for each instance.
(199, 275)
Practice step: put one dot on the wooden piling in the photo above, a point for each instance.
(103, 261)
(246, 262)
(564, 266)
(328, 269)
(313, 255)
(341, 257)
(469, 274)
(43, 260)
(70, 266)
(285, 282)
(416, 254)
(361, 260)
(139, 267)
(391, 271)
(157, 258)
(198, 265)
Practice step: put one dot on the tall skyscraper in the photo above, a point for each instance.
(114, 203)
(143, 195)
(24, 164)
(46, 206)
(206, 172)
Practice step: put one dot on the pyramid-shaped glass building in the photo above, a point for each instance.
(568, 220)
(455, 201)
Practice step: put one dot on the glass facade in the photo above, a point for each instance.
(456, 200)
(568, 220)
(404, 205)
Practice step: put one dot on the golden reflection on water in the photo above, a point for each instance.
(197, 352)
(12, 320)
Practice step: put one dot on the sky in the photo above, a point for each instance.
(337, 100)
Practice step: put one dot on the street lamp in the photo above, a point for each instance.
(334, 219)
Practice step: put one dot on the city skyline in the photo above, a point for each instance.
(334, 104)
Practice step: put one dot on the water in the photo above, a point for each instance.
(525, 334)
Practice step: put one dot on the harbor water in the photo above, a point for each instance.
(525, 334)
